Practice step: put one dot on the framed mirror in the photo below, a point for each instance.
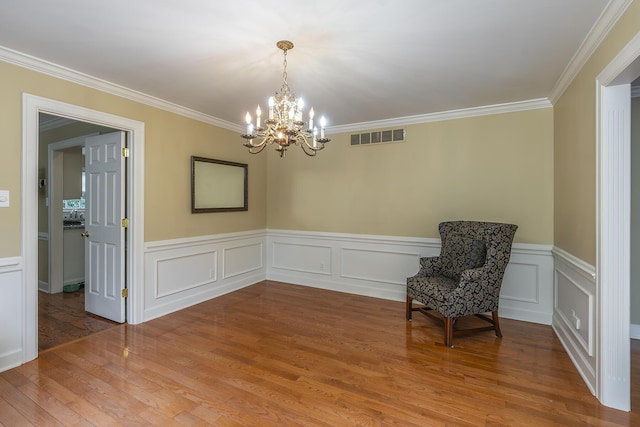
(218, 185)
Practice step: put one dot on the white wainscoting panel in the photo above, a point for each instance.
(11, 312)
(243, 259)
(177, 274)
(574, 312)
(378, 266)
(183, 272)
(304, 258)
(527, 287)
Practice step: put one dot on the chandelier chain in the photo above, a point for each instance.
(284, 73)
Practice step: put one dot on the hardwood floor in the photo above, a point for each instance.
(282, 355)
(61, 318)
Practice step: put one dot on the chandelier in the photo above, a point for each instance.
(284, 127)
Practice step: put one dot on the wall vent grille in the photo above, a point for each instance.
(378, 137)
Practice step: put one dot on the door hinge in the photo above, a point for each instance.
(125, 293)
(125, 152)
(125, 222)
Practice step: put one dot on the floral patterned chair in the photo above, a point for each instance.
(466, 278)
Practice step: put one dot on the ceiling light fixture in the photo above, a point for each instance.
(284, 127)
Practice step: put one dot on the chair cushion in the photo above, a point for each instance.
(459, 253)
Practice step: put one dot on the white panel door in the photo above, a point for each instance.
(104, 234)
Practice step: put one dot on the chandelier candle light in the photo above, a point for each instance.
(284, 127)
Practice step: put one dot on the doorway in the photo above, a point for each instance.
(63, 314)
(32, 107)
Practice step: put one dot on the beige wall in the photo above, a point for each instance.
(73, 162)
(496, 167)
(574, 151)
(170, 140)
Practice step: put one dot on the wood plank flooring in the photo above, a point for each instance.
(275, 354)
(61, 318)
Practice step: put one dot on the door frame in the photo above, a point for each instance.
(613, 198)
(32, 105)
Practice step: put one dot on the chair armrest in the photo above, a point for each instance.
(429, 266)
(478, 280)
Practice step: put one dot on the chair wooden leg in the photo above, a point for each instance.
(448, 331)
(409, 307)
(496, 323)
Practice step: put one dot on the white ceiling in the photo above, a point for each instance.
(353, 60)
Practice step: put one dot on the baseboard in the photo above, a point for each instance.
(10, 359)
(634, 331)
(44, 286)
(186, 301)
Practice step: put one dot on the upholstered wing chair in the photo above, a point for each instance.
(466, 278)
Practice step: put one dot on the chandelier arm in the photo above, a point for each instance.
(308, 149)
(256, 149)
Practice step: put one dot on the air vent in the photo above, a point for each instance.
(378, 137)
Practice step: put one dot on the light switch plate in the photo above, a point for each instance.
(4, 198)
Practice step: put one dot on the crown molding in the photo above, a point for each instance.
(609, 17)
(510, 107)
(54, 123)
(49, 68)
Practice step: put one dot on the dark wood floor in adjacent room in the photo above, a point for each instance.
(283, 355)
(61, 318)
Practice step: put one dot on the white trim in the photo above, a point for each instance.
(613, 282)
(362, 238)
(11, 264)
(49, 68)
(613, 225)
(208, 267)
(581, 267)
(36, 64)
(11, 312)
(607, 20)
(634, 332)
(32, 106)
(54, 123)
(510, 107)
(378, 266)
(190, 242)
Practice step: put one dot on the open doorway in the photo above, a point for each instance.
(62, 312)
(133, 255)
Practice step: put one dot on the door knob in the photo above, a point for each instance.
(85, 234)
